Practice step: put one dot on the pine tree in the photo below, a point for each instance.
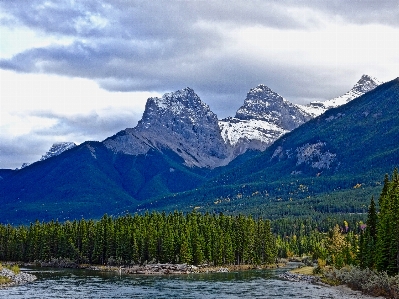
(368, 238)
(387, 244)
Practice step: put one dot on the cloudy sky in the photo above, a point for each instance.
(82, 70)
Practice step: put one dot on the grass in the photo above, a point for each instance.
(303, 270)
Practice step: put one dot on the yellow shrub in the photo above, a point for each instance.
(15, 269)
(4, 279)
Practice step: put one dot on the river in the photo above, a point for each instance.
(67, 283)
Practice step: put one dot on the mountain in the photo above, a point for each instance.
(5, 173)
(365, 84)
(179, 122)
(172, 149)
(90, 180)
(349, 148)
(264, 117)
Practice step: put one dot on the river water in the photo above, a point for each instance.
(67, 283)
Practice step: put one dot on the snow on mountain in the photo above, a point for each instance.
(241, 133)
(57, 148)
(181, 122)
(365, 84)
(264, 117)
(262, 103)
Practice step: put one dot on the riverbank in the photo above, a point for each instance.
(167, 269)
(12, 279)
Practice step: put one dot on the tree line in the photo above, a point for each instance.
(155, 237)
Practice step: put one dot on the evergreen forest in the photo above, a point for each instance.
(151, 238)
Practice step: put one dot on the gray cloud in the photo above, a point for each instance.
(166, 45)
(360, 11)
(145, 19)
(14, 151)
(92, 125)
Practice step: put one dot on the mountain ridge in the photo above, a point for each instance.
(180, 121)
(324, 154)
(264, 116)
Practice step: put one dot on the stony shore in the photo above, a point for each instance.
(151, 269)
(168, 269)
(342, 291)
(16, 279)
(300, 277)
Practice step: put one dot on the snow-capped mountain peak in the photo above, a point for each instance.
(182, 104)
(263, 118)
(259, 103)
(262, 103)
(265, 115)
(365, 84)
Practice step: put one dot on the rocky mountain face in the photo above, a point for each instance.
(181, 122)
(263, 118)
(57, 149)
(365, 84)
